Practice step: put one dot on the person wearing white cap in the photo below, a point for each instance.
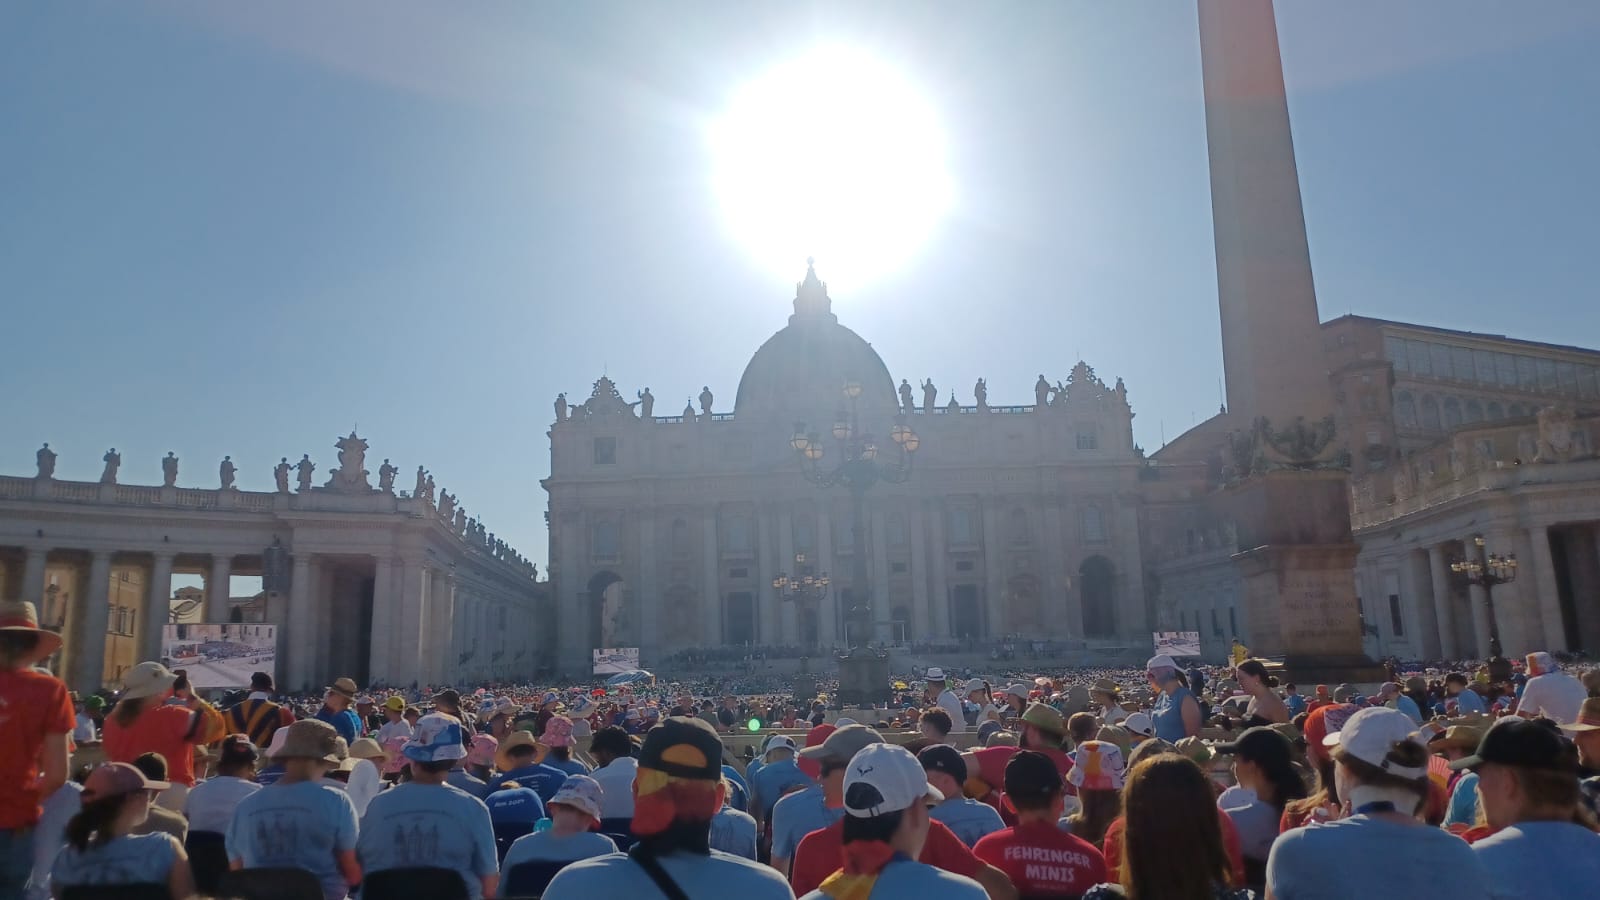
(777, 776)
(574, 814)
(980, 696)
(1550, 692)
(1176, 713)
(938, 694)
(1381, 768)
(886, 797)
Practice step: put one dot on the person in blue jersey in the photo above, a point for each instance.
(558, 737)
(947, 771)
(778, 775)
(1176, 714)
(733, 830)
(101, 848)
(521, 759)
(336, 711)
(513, 804)
(677, 792)
(426, 822)
(574, 816)
(1544, 844)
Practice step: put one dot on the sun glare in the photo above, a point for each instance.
(834, 155)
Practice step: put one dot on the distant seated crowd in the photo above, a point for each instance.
(1002, 792)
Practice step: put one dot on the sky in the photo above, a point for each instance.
(245, 229)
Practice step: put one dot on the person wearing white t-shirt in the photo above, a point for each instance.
(1550, 692)
(210, 804)
(946, 699)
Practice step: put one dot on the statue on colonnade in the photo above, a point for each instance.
(981, 392)
(647, 405)
(113, 461)
(280, 475)
(169, 470)
(386, 473)
(225, 472)
(705, 400)
(561, 407)
(930, 394)
(351, 475)
(1041, 393)
(906, 403)
(305, 467)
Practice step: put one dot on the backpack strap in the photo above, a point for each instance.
(657, 873)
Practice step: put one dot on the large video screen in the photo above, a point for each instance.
(1178, 643)
(220, 656)
(616, 660)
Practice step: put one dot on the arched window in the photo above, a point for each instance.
(1430, 413)
(1097, 585)
(1405, 409)
(1472, 412)
(1452, 413)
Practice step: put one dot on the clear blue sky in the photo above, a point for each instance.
(242, 230)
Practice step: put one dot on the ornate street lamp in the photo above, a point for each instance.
(1487, 570)
(861, 465)
(803, 589)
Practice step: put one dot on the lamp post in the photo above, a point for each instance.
(860, 467)
(1487, 570)
(802, 589)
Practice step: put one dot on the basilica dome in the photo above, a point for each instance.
(800, 372)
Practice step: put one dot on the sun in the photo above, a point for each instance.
(833, 154)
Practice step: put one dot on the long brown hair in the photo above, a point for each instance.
(1172, 842)
(127, 709)
(92, 825)
(1099, 809)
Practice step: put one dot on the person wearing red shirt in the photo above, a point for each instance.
(1230, 847)
(1039, 858)
(821, 852)
(36, 717)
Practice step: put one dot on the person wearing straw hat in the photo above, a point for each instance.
(520, 758)
(1108, 695)
(299, 821)
(425, 822)
(677, 792)
(34, 753)
(101, 847)
(365, 780)
(336, 711)
(144, 722)
(1585, 733)
(574, 816)
(1453, 743)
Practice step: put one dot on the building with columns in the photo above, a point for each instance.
(386, 587)
(667, 532)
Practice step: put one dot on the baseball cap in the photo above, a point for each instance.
(1140, 724)
(1160, 661)
(974, 684)
(777, 742)
(449, 697)
(395, 702)
(1019, 691)
(841, 746)
(814, 738)
(1045, 718)
(683, 747)
(437, 738)
(1371, 733)
(885, 778)
(1259, 744)
(1344, 693)
(1526, 744)
(1031, 777)
(114, 779)
(944, 758)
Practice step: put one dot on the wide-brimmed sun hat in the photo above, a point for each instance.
(20, 617)
(147, 679)
(307, 739)
(344, 686)
(581, 793)
(437, 739)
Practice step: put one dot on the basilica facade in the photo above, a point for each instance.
(667, 533)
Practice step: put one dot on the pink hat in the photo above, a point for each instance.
(557, 732)
(481, 753)
(113, 779)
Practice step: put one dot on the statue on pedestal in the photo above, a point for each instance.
(280, 475)
(647, 405)
(447, 504)
(422, 482)
(981, 392)
(705, 401)
(113, 461)
(561, 407)
(427, 489)
(305, 467)
(386, 473)
(929, 395)
(1041, 393)
(47, 461)
(169, 470)
(460, 521)
(225, 472)
(351, 475)
(906, 403)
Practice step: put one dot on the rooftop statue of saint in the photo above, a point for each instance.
(47, 461)
(113, 461)
(169, 470)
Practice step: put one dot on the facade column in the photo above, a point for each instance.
(378, 661)
(296, 645)
(788, 612)
(1515, 613)
(878, 565)
(711, 590)
(33, 564)
(88, 661)
(157, 607)
(1419, 596)
(440, 639)
(217, 590)
(921, 623)
(828, 609)
(939, 564)
(572, 621)
(325, 577)
(1439, 575)
(767, 566)
(993, 572)
(413, 622)
(1544, 575)
(649, 597)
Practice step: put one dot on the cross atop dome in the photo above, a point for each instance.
(811, 301)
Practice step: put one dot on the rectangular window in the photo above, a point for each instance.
(897, 568)
(1527, 373)
(1395, 349)
(1483, 365)
(1547, 374)
(1396, 622)
(1461, 364)
(605, 451)
(1567, 377)
(740, 572)
(1087, 440)
(964, 566)
(603, 541)
(1216, 625)
(1505, 369)
(961, 530)
(1441, 360)
(1421, 362)
(738, 535)
(1374, 438)
(1586, 382)
(1094, 525)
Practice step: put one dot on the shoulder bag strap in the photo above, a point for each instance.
(653, 868)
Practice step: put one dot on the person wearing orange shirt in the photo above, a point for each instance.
(143, 722)
(35, 717)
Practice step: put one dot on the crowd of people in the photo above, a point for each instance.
(1169, 782)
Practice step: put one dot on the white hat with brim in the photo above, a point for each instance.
(895, 777)
(20, 617)
(1372, 733)
(147, 679)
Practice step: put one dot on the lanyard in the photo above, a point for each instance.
(1377, 806)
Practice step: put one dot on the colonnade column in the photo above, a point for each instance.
(217, 588)
(413, 622)
(993, 572)
(1478, 597)
(1414, 584)
(1544, 574)
(921, 623)
(711, 591)
(379, 662)
(788, 613)
(878, 564)
(767, 566)
(649, 600)
(1515, 614)
(828, 609)
(157, 607)
(33, 564)
(441, 662)
(88, 660)
(298, 643)
(1439, 576)
(323, 653)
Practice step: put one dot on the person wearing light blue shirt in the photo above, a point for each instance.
(50, 834)
(776, 777)
(514, 806)
(734, 832)
(1467, 700)
(947, 771)
(300, 824)
(796, 816)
